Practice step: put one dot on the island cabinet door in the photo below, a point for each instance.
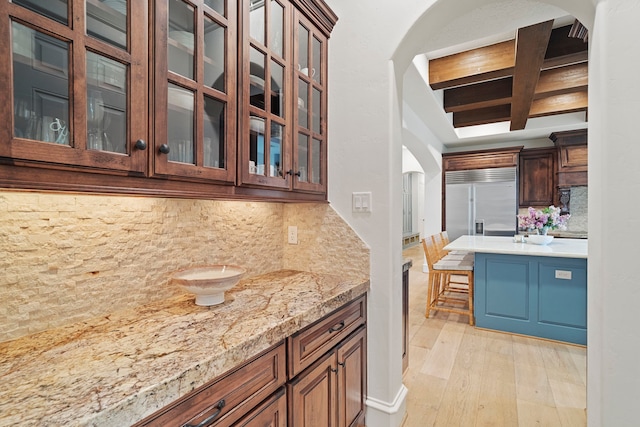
(538, 296)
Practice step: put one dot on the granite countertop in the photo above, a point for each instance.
(563, 248)
(117, 369)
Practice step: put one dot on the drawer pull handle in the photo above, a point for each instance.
(336, 328)
(218, 406)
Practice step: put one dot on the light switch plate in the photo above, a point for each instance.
(292, 235)
(361, 201)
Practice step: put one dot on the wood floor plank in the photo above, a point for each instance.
(532, 384)
(559, 363)
(497, 404)
(441, 358)
(459, 404)
(533, 414)
(568, 395)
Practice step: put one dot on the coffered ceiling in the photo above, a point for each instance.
(540, 72)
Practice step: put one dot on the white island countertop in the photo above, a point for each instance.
(563, 248)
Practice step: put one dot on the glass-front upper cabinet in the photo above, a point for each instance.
(266, 112)
(76, 83)
(310, 134)
(195, 89)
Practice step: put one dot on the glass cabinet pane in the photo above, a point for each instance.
(54, 9)
(256, 145)
(181, 38)
(276, 28)
(303, 156)
(180, 125)
(214, 54)
(303, 55)
(316, 150)
(277, 89)
(303, 104)
(317, 60)
(106, 104)
(256, 20)
(315, 111)
(256, 77)
(40, 86)
(275, 149)
(214, 117)
(217, 5)
(107, 21)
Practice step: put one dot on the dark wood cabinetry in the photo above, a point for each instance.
(229, 398)
(481, 159)
(537, 177)
(328, 385)
(173, 98)
(572, 157)
(326, 363)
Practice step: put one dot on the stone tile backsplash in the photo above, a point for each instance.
(67, 258)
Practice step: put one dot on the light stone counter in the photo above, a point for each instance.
(563, 248)
(117, 369)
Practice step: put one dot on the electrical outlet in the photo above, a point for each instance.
(563, 274)
(292, 235)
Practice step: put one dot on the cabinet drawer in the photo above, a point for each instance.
(309, 344)
(230, 396)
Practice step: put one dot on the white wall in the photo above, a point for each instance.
(371, 47)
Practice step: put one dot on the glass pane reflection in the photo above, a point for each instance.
(303, 100)
(181, 38)
(217, 5)
(275, 149)
(180, 124)
(276, 26)
(317, 58)
(214, 54)
(256, 145)
(54, 9)
(256, 20)
(303, 156)
(214, 155)
(316, 110)
(41, 86)
(107, 21)
(316, 146)
(277, 89)
(106, 104)
(256, 78)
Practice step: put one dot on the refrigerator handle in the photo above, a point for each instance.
(472, 209)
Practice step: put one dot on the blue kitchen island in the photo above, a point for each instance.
(536, 290)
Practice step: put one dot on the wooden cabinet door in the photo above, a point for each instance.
(312, 395)
(310, 107)
(537, 177)
(271, 413)
(195, 90)
(352, 379)
(75, 78)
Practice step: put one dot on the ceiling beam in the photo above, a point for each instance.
(563, 80)
(479, 95)
(560, 104)
(531, 47)
(482, 116)
(472, 66)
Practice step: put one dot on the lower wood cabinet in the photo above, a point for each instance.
(331, 393)
(326, 369)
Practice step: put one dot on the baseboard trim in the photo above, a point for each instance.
(389, 407)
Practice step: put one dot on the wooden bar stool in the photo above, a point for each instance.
(445, 293)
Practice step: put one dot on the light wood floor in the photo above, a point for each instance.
(459, 375)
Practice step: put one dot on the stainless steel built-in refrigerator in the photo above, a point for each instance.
(481, 201)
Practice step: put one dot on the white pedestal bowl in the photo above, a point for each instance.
(209, 282)
(539, 239)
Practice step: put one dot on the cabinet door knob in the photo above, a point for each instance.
(290, 172)
(164, 149)
(141, 145)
